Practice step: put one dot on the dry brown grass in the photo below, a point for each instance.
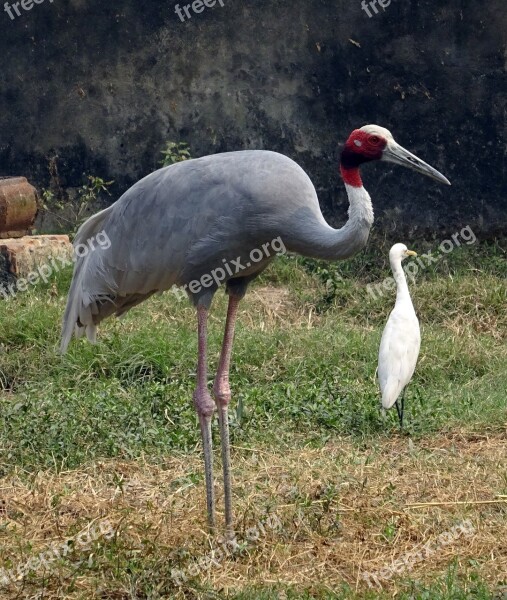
(344, 509)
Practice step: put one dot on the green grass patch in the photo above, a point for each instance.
(131, 394)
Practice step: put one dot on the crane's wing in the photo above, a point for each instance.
(399, 350)
(184, 221)
(151, 233)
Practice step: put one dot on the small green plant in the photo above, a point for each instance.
(91, 190)
(175, 152)
(76, 208)
(329, 275)
(50, 201)
(87, 195)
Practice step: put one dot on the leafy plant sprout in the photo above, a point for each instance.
(175, 152)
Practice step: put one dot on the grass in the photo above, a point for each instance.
(109, 431)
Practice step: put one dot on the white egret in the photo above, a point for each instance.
(401, 340)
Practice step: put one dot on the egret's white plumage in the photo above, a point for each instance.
(401, 340)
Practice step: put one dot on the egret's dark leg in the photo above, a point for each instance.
(205, 408)
(222, 393)
(401, 410)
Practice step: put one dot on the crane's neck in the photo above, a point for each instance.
(402, 291)
(352, 237)
(335, 244)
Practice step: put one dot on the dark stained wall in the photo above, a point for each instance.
(103, 84)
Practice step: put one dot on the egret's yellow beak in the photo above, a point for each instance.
(411, 253)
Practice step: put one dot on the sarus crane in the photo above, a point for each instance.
(182, 222)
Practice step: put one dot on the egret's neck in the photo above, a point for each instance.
(402, 291)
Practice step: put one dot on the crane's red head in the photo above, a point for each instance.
(364, 145)
(372, 142)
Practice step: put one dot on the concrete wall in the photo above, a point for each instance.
(103, 85)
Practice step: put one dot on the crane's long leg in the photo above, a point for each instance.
(222, 393)
(205, 408)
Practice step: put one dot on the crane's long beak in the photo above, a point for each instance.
(397, 154)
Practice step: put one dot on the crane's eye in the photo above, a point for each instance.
(374, 139)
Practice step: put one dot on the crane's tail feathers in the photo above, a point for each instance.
(90, 331)
(81, 307)
(82, 314)
(91, 227)
(94, 294)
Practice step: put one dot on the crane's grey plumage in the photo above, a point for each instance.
(401, 340)
(181, 222)
(185, 220)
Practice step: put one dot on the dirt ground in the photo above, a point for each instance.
(401, 508)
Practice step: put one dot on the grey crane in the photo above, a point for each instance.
(180, 223)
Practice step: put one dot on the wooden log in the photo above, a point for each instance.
(18, 207)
